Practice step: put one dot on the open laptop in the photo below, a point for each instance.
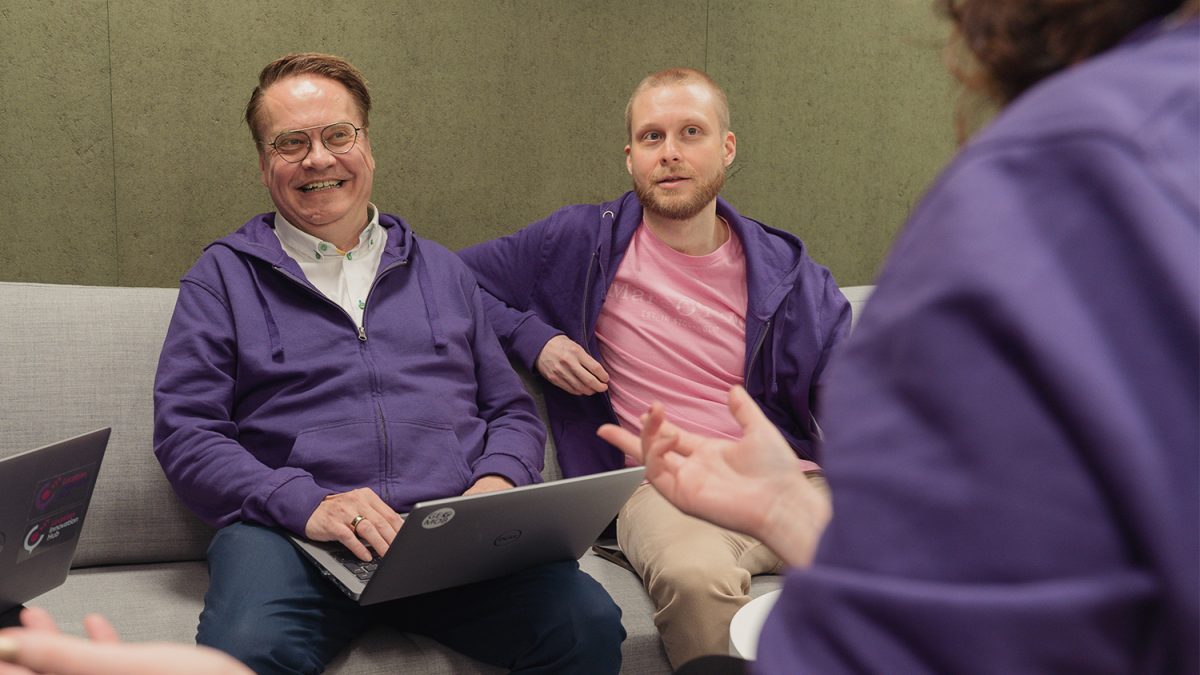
(44, 496)
(461, 540)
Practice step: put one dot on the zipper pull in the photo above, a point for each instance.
(362, 333)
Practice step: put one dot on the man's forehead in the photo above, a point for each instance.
(287, 100)
(690, 99)
(305, 87)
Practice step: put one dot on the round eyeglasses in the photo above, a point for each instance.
(338, 138)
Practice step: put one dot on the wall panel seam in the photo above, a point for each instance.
(707, 24)
(112, 124)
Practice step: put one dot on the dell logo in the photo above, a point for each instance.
(507, 538)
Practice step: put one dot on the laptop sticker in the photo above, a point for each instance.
(48, 532)
(56, 515)
(64, 490)
(438, 518)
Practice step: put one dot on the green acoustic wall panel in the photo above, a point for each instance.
(186, 166)
(488, 115)
(56, 187)
(499, 113)
(843, 116)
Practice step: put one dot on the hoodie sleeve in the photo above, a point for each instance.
(834, 316)
(809, 329)
(194, 435)
(508, 269)
(516, 439)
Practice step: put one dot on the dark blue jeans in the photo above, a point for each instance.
(271, 609)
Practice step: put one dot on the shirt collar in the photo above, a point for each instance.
(306, 246)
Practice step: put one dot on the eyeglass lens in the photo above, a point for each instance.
(338, 138)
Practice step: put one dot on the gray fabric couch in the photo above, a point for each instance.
(75, 358)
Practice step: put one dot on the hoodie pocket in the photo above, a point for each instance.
(343, 456)
(414, 460)
(427, 461)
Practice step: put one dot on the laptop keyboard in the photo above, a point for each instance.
(362, 570)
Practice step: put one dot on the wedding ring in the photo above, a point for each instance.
(354, 523)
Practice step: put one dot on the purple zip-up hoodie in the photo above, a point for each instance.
(552, 278)
(1012, 432)
(268, 398)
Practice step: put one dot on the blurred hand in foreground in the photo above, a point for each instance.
(756, 486)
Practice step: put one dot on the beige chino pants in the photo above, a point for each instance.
(697, 574)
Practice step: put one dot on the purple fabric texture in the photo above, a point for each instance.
(551, 278)
(267, 399)
(1013, 430)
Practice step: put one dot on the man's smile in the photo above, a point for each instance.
(321, 185)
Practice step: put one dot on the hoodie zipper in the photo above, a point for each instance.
(757, 348)
(362, 338)
(387, 457)
(382, 420)
(361, 331)
(587, 289)
(583, 328)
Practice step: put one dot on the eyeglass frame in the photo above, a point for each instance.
(321, 135)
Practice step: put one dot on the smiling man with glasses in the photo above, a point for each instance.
(325, 370)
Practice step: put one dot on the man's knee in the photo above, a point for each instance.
(584, 626)
(696, 578)
(265, 646)
(267, 608)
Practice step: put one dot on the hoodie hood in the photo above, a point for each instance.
(257, 239)
(774, 258)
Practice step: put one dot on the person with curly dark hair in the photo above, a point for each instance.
(1011, 434)
(1015, 44)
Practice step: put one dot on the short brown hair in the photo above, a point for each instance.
(1004, 47)
(678, 76)
(307, 63)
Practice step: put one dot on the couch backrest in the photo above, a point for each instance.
(75, 358)
(857, 295)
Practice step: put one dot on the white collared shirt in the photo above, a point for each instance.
(344, 277)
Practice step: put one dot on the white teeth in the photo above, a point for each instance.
(321, 185)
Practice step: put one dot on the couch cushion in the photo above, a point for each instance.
(76, 358)
(162, 602)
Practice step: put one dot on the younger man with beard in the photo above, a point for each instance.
(668, 294)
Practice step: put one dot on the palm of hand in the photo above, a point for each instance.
(723, 481)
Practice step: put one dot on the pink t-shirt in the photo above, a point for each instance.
(673, 329)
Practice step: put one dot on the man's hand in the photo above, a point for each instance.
(489, 483)
(334, 520)
(570, 368)
(40, 648)
(756, 485)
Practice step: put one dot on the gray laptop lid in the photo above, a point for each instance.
(44, 496)
(460, 540)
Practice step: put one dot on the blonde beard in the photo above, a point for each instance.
(680, 210)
